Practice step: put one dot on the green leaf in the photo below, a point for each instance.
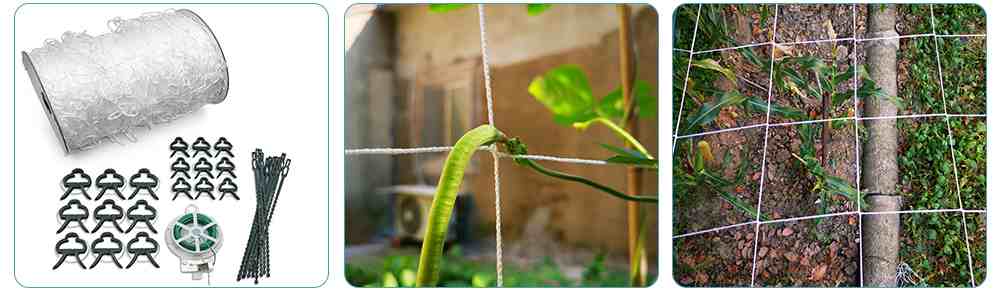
(711, 64)
(759, 105)
(536, 9)
(566, 92)
(441, 8)
(633, 161)
(710, 110)
(611, 106)
(621, 151)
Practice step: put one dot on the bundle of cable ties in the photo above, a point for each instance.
(269, 177)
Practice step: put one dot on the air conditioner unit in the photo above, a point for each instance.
(412, 207)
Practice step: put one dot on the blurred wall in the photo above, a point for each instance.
(370, 96)
(520, 48)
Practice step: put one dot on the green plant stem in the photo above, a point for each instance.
(583, 180)
(618, 130)
(444, 200)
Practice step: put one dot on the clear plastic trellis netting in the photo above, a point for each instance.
(769, 130)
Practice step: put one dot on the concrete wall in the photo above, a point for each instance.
(369, 99)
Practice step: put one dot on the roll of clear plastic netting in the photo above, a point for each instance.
(146, 71)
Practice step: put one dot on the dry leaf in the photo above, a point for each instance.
(819, 272)
(781, 51)
(829, 30)
(787, 232)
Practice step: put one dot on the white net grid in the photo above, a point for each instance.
(859, 212)
(492, 149)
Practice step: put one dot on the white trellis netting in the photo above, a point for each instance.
(492, 149)
(857, 121)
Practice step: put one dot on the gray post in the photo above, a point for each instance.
(880, 171)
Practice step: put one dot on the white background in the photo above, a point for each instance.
(277, 102)
(336, 286)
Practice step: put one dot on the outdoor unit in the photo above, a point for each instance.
(412, 206)
(411, 215)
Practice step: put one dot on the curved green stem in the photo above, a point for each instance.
(618, 130)
(444, 200)
(583, 180)
(516, 148)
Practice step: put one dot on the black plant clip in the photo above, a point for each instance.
(226, 166)
(204, 186)
(110, 180)
(223, 146)
(77, 180)
(228, 187)
(180, 166)
(112, 217)
(106, 251)
(150, 183)
(65, 252)
(203, 166)
(179, 146)
(179, 187)
(73, 217)
(141, 217)
(142, 251)
(201, 145)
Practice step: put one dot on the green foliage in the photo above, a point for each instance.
(934, 247)
(532, 9)
(536, 9)
(825, 185)
(630, 157)
(970, 157)
(565, 91)
(925, 165)
(965, 78)
(441, 8)
(960, 19)
(458, 271)
(696, 177)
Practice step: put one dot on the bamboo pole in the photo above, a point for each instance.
(633, 177)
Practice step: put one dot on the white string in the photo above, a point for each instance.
(680, 110)
(838, 214)
(443, 149)
(858, 119)
(908, 116)
(763, 161)
(827, 41)
(951, 146)
(493, 150)
(857, 151)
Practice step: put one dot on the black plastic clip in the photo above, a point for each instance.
(181, 186)
(142, 251)
(228, 187)
(223, 146)
(204, 186)
(225, 166)
(106, 251)
(141, 217)
(117, 182)
(70, 217)
(203, 166)
(70, 183)
(180, 166)
(149, 184)
(179, 146)
(104, 217)
(201, 145)
(70, 252)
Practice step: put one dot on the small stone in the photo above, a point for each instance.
(787, 232)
